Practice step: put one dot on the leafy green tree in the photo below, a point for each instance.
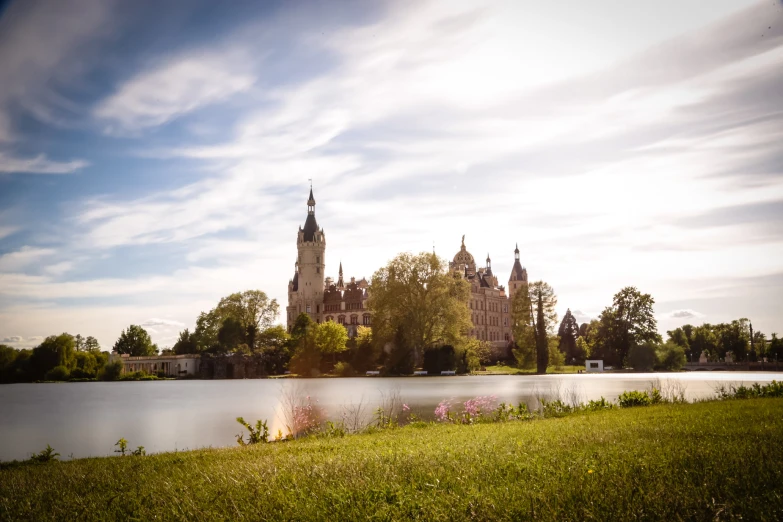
(417, 303)
(630, 321)
(543, 298)
(186, 343)
(775, 348)
(703, 339)
(523, 328)
(671, 356)
(277, 346)
(307, 358)
(331, 338)
(135, 341)
(231, 335)
(556, 356)
(91, 344)
(642, 357)
(364, 353)
(252, 309)
(569, 333)
(398, 355)
(78, 341)
(678, 337)
(733, 337)
(55, 350)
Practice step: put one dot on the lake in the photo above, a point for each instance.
(86, 419)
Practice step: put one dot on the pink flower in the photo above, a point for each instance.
(405, 407)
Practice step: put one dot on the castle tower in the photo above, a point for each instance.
(518, 276)
(306, 289)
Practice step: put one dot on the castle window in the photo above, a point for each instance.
(318, 270)
(505, 321)
(354, 319)
(317, 259)
(308, 309)
(341, 319)
(318, 309)
(366, 319)
(505, 308)
(506, 336)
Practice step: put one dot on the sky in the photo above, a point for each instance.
(156, 156)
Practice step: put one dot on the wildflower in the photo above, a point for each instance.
(405, 407)
(589, 470)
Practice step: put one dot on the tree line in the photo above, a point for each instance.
(421, 319)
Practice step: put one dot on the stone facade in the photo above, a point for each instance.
(490, 307)
(234, 366)
(310, 291)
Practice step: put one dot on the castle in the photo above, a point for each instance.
(311, 292)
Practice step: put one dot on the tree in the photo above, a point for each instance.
(91, 344)
(276, 346)
(543, 298)
(703, 339)
(364, 353)
(556, 356)
(186, 343)
(642, 357)
(331, 338)
(135, 341)
(569, 333)
(78, 342)
(522, 327)
(55, 350)
(230, 336)
(307, 358)
(417, 303)
(628, 322)
(678, 337)
(671, 356)
(252, 309)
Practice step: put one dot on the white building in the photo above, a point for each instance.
(170, 365)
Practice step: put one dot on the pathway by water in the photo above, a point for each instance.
(86, 419)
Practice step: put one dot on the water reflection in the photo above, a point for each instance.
(86, 419)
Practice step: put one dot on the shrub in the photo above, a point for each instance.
(58, 373)
(641, 357)
(46, 455)
(257, 434)
(601, 404)
(111, 372)
(344, 369)
(630, 399)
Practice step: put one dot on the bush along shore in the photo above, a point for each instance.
(650, 456)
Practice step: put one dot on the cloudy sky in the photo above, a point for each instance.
(154, 159)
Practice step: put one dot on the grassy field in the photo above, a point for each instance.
(508, 370)
(705, 461)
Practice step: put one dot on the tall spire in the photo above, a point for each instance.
(516, 252)
(340, 282)
(311, 201)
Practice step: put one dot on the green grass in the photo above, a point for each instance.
(706, 461)
(509, 370)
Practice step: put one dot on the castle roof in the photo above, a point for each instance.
(310, 228)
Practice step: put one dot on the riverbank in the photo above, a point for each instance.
(708, 460)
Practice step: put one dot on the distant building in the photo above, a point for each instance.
(490, 307)
(311, 292)
(170, 365)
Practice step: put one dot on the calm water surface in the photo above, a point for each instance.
(86, 419)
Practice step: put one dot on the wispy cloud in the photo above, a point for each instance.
(38, 165)
(21, 258)
(174, 88)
